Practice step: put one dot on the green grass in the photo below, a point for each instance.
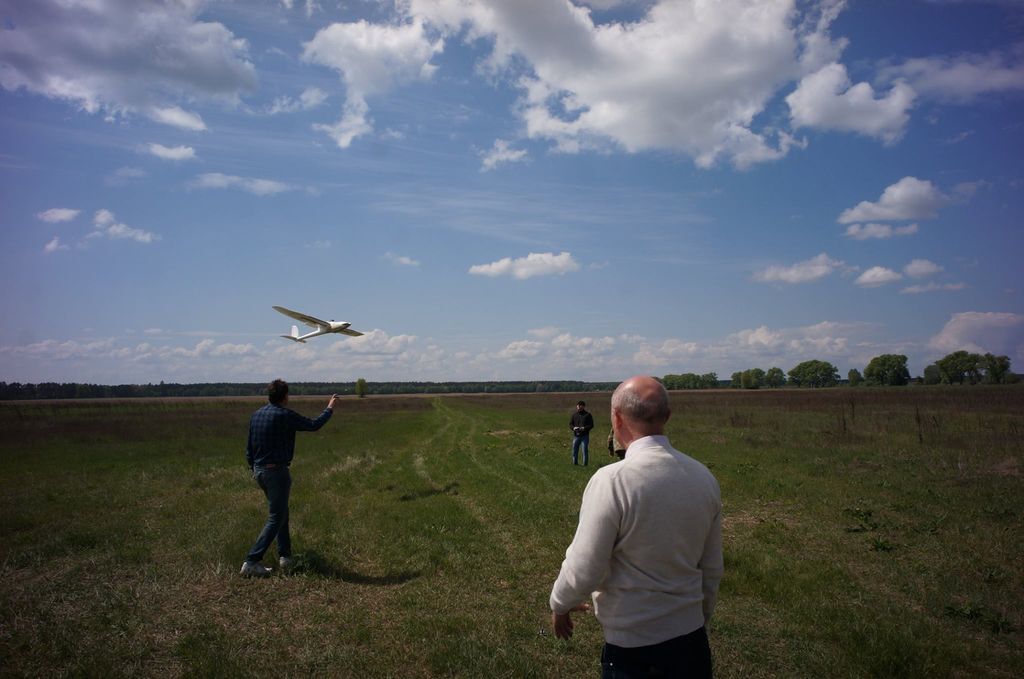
(868, 533)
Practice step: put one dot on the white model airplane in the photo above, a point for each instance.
(322, 327)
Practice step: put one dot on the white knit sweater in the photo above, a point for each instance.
(648, 547)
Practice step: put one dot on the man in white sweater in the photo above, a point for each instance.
(648, 548)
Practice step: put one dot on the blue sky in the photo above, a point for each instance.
(537, 189)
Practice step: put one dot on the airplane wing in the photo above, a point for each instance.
(351, 333)
(311, 321)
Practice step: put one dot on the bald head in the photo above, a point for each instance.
(640, 404)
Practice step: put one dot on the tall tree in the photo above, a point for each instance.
(775, 377)
(814, 373)
(361, 388)
(997, 368)
(959, 366)
(854, 377)
(888, 370)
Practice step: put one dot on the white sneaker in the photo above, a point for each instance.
(254, 569)
(286, 563)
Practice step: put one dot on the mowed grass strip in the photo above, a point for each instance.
(867, 533)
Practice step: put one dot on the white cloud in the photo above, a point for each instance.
(371, 59)
(176, 116)
(909, 198)
(827, 100)
(105, 225)
(920, 268)
(534, 264)
(520, 350)
(801, 272)
(982, 332)
(866, 231)
(501, 153)
(172, 152)
(931, 287)
(259, 187)
(876, 276)
(544, 333)
(121, 56)
(310, 98)
(962, 78)
(58, 214)
(401, 260)
(54, 245)
(686, 77)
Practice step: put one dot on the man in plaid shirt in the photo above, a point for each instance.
(270, 450)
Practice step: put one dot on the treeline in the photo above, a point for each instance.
(54, 390)
(889, 370)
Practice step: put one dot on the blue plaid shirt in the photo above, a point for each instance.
(272, 434)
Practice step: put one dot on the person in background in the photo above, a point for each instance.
(581, 423)
(269, 452)
(647, 550)
(615, 449)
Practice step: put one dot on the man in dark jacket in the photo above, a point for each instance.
(581, 423)
(269, 452)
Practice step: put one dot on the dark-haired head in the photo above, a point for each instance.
(277, 392)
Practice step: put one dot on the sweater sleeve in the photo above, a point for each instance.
(712, 566)
(588, 558)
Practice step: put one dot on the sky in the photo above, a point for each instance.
(506, 189)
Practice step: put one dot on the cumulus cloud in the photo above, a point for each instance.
(920, 268)
(310, 98)
(909, 198)
(370, 59)
(534, 264)
(521, 349)
(802, 272)
(121, 56)
(827, 100)
(931, 287)
(105, 225)
(172, 152)
(175, 116)
(866, 231)
(685, 77)
(258, 187)
(58, 214)
(982, 332)
(401, 260)
(500, 153)
(961, 78)
(876, 276)
(54, 245)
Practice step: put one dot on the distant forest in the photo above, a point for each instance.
(52, 390)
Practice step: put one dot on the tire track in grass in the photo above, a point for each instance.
(453, 429)
(475, 458)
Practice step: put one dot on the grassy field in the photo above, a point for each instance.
(868, 533)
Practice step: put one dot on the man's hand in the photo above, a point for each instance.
(563, 624)
(330, 404)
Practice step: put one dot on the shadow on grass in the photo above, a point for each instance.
(451, 489)
(312, 562)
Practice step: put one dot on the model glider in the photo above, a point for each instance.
(320, 327)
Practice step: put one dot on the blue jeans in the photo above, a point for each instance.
(277, 485)
(577, 441)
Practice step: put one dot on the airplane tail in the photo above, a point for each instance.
(295, 335)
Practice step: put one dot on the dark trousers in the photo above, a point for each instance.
(685, 657)
(277, 485)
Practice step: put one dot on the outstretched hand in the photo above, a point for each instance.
(330, 404)
(563, 624)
